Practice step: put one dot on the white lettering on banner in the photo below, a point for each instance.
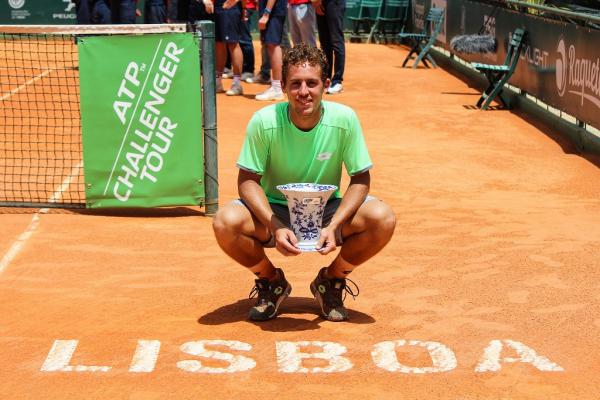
(144, 157)
(59, 358)
(236, 363)
(290, 356)
(384, 356)
(121, 107)
(490, 361)
(578, 76)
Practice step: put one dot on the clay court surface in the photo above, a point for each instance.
(497, 246)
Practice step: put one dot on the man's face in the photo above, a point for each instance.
(305, 89)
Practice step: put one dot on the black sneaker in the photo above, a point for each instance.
(328, 293)
(270, 296)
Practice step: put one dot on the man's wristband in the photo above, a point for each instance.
(267, 11)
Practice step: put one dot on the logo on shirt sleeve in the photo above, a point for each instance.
(324, 156)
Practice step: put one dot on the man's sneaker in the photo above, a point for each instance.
(261, 79)
(335, 88)
(330, 294)
(219, 87)
(270, 296)
(227, 73)
(270, 94)
(247, 77)
(235, 90)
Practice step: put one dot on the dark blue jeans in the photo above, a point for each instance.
(331, 37)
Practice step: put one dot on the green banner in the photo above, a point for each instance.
(141, 120)
(37, 12)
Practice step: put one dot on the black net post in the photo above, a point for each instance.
(206, 33)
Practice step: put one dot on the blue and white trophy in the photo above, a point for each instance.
(306, 203)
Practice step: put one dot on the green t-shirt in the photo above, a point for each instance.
(281, 153)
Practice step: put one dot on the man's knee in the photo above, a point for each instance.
(380, 217)
(228, 219)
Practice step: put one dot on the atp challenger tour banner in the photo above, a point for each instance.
(141, 120)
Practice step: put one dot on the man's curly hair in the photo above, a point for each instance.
(304, 53)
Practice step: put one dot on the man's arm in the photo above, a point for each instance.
(262, 22)
(355, 195)
(253, 195)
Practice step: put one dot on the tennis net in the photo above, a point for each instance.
(40, 124)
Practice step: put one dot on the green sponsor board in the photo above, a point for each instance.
(141, 120)
(37, 12)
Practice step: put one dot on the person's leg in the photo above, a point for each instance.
(334, 13)
(101, 13)
(241, 237)
(235, 53)
(285, 36)
(155, 14)
(307, 23)
(364, 235)
(294, 23)
(276, 58)
(83, 12)
(247, 49)
(325, 40)
(221, 58)
(127, 12)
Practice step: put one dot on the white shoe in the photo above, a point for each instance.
(259, 78)
(235, 90)
(270, 94)
(248, 77)
(227, 73)
(335, 89)
(220, 87)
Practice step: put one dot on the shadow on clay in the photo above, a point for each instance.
(238, 311)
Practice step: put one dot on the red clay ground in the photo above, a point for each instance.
(498, 238)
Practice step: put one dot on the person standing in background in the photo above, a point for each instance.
(124, 11)
(273, 14)
(302, 21)
(155, 11)
(92, 11)
(330, 24)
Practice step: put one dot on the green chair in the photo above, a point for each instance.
(351, 14)
(392, 19)
(498, 75)
(422, 42)
(365, 23)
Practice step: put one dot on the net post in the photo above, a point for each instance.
(206, 33)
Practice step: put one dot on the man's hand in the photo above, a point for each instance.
(138, 13)
(229, 3)
(262, 22)
(318, 5)
(326, 243)
(209, 6)
(286, 241)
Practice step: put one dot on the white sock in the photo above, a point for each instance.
(276, 85)
(236, 79)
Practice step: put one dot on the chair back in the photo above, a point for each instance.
(395, 9)
(514, 48)
(433, 21)
(352, 8)
(370, 9)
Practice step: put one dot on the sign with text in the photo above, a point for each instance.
(37, 12)
(141, 120)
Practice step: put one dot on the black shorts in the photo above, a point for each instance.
(273, 33)
(228, 25)
(282, 212)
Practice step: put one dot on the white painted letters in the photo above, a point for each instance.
(384, 356)
(490, 361)
(290, 356)
(236, 363)
(59, 358)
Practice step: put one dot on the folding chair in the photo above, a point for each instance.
(393, 14)
(367, 17)
(498, 75)
(352, 13)
(423, 41)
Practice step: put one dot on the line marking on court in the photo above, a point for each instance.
(141, 92)
(18, 245)
(29, 82)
